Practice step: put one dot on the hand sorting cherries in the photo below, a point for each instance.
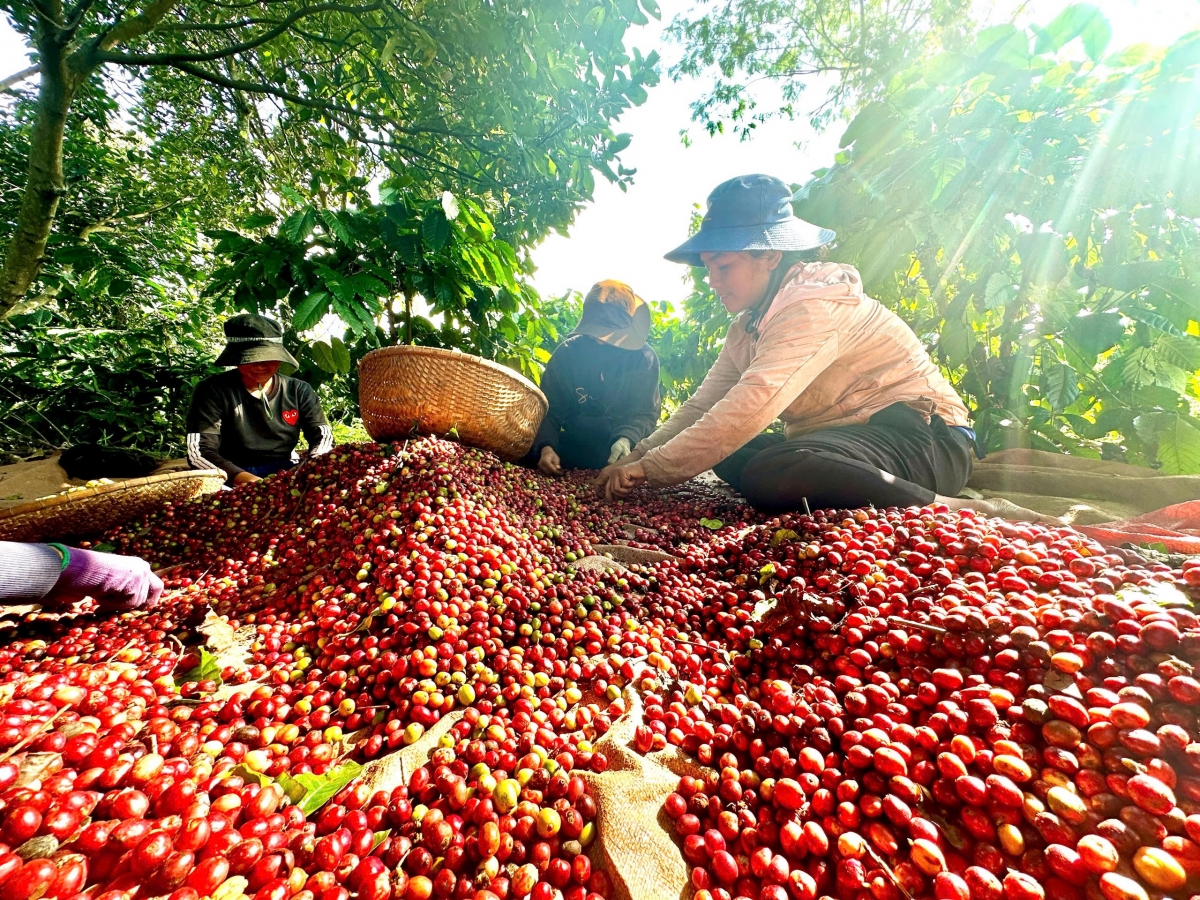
(887, 704)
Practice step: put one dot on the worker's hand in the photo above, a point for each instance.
(548, 462)
(116, 583)
(615, 482)
(245, 478)
(620, 449)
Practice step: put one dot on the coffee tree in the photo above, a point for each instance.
(1033, 215)
(375, 269)
(512, 99)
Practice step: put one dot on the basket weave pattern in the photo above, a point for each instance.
(88, 512)
(408, 390)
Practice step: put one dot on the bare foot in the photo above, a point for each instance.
(999, 508)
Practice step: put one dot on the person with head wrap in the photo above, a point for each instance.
(601, 384)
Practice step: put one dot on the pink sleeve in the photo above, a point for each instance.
(721, 377)
(800, 344)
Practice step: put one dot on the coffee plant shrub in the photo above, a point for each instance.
(63, 382)
(374, 267)
(845, 53)
(1031, 212)
(885, 703)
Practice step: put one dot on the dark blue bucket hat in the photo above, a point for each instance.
(750, 212)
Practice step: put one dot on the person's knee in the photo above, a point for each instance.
(775, 480)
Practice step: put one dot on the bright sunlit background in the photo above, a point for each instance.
(624, 234)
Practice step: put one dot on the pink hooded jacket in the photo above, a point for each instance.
(825, 354)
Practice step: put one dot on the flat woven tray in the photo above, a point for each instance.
(404, 391)
(89, 511)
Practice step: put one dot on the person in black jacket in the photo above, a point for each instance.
(602, 384)
(247, 421)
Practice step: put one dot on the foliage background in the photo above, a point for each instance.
(1033, 214)
(1026, 199)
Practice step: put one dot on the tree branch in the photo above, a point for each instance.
(321, 106)
(18, 77)
(103, 224)
(173, 59)
(139, 25)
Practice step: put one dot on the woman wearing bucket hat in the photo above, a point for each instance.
(869, 418)
(601, 384)
(247, 421)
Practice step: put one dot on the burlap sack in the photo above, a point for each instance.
(634, 844)
(617, 557)
(1120, 487)
(391, 771)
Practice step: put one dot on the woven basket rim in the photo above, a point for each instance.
(47, 507)
(458, 356)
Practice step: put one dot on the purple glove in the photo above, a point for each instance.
(116, 583)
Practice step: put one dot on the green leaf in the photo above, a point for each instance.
(766, 573)
(1179, 447)
(449, 205)
(956, 341)
(1179, 350)
(1139, 368)
(208, 669)
(292, 789)
(1059, 385)
(712, 524)
(379, 837)
(299, 225)
(1129, 277)
(320, 789)
(781, 535)
(1095, 333)
(337, 227)
(1079, 20)
(1154, 320)
(341, 356)
(997, 292)
(254, 221)
(310, 311)
(435, 229)
(322, 355)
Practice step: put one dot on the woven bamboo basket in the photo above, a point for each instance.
(426, 390)
(90, 511)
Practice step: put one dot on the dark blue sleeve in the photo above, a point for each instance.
(643, 403)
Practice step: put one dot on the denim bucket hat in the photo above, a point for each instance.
(750, 212)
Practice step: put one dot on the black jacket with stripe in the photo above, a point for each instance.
(230, 429)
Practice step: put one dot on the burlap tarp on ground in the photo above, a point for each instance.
(1113, 503)
(1080, 491)
(634, 844)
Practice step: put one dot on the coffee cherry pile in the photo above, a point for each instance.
(938, 706)
(888, 705)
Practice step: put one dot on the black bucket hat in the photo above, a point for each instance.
(613, 313)
(750, 212)
(251, 338)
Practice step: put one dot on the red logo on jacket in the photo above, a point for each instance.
(290, 416)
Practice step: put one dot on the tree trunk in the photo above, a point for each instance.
(45, 185)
